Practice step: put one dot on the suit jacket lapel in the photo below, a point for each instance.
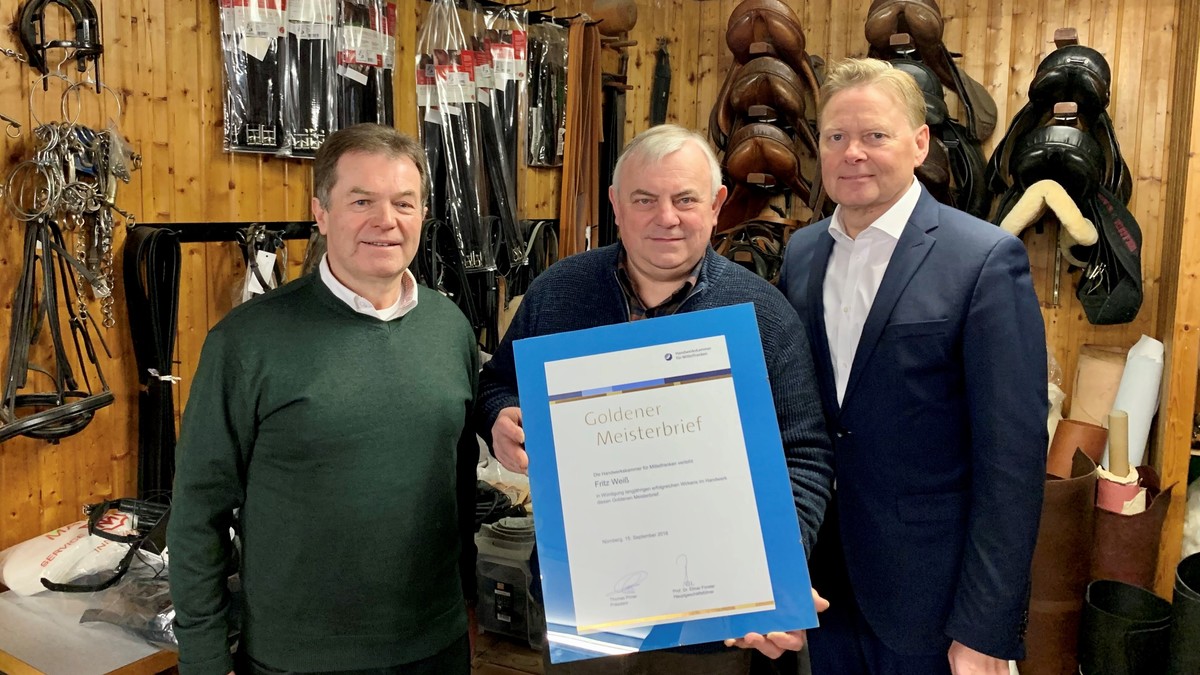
(816, 320)
(914, 244)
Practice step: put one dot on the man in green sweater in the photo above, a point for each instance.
(327, 420)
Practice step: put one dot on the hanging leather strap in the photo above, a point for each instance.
(151, 262)
(661, 93)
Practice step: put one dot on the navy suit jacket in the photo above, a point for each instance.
(940, 440)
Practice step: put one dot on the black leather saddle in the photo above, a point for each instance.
(1064, 134)
(953, 170)
(1076, 74)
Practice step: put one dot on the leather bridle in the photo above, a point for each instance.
(68, 407)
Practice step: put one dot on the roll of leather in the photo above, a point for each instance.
(1061, 571)
(1069, 436)
(1185, 619)
(1126, 547)
(1124, 630)
(1097, 378)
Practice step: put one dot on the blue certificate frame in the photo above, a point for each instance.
(784, 572)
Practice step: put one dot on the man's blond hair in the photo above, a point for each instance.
(853, 73)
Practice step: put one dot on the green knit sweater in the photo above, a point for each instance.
(341, 439)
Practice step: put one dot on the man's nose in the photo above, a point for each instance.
(855, 151)
(668, 214)
(387, 216)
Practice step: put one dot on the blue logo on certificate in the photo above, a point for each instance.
(664, 511)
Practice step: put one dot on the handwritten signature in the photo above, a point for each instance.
(629, 583)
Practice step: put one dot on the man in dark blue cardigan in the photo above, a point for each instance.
(666, 195)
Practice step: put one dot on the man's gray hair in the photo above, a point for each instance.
(653, 144)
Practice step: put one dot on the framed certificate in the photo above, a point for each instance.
(664, 511)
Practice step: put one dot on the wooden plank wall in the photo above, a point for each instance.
(164, 62)
(1002, 41)
(1180, 314)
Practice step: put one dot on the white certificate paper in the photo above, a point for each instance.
(651, 454)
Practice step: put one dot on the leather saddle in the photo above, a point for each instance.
(1064, 154)
(922, 19)
(766, 29)
(1064, 134)
(773, 24)
(764, 121)
(953, 171)
(1076, 74)
(763, 154)
(766, 81)
(934, 172)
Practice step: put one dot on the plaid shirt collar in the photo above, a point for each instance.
(638, 310)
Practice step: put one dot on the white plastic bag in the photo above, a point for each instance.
(64, 554)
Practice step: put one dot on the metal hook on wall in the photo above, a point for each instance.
(13, 130)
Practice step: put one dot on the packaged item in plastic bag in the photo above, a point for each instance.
(1054, 393)
(547, 94)
(448, 108)
(252, 40)
(501, 71)
(308, 99)
(140, 603)
(359, 57)
(384, 20)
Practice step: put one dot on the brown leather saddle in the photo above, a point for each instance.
(922, 19)
(771, 25)
(765, 122)
(762, 154)
(766, 87)
(769, 29)
(934, 172)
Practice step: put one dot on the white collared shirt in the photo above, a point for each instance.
(855, 271)
(403, 305)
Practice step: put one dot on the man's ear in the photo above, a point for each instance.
(616, 207)
(719, 200)
(319, 215)
(921, 137)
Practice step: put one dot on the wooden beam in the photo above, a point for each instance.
(1180, 298)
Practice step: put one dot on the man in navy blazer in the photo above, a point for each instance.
(931, 356)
